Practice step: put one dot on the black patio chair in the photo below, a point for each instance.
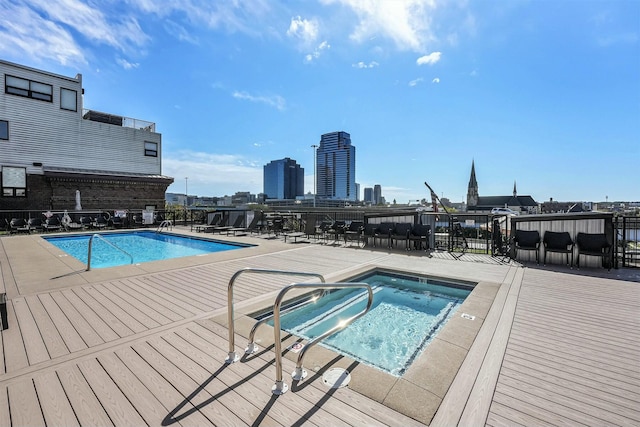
(400, 232)
(383, 232)
(369, 233)
(36, 224)
(336, 230)
(594, 244)
(527, 240)
(419, 236)
(18, 225)
(52, 224)
(559, 242)
(354, 232)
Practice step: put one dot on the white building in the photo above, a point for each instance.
(50, 147)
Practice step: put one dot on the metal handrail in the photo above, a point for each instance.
(232, 356)
(108, 243)
(280, 387)
(165, 223)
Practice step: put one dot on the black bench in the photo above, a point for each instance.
(594, 244)
(559, 242)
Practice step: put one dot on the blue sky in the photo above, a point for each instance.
(543, 93)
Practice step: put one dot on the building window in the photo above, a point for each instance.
(68, 99)
(14, 182)
(151, 149)
(28, 88)
(4, 129)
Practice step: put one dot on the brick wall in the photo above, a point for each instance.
(59, 193)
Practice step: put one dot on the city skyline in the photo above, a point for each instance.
(544, 94)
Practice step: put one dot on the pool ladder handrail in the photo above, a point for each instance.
(232, 356)
(108, 243)
(280, 387)
(166, 223)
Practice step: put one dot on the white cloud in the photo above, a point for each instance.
(212, 174)
(415, 82)
(275, 101)
(304, 30)
(126, 64)
(406, 22)
(361, 64)
(429, 59)
(179, 32)
(310, 57)
(436, 80)
(28, 34)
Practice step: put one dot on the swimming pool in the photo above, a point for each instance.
(406, 315)
(143, 246)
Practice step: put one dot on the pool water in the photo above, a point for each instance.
(406, 315)
(143, 246)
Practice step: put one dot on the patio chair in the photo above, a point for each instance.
(52, 224)
(400, 232)
(419, 236)
(310, 227)
(336, 230)
(527, 241)
(18, 225)
(383, 232)
(559, 242)
(244, 230)
(354, 232)
(236, 224)
(369, 233)
(594, 244)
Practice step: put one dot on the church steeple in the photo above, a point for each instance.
(515, 193)
(472, 191)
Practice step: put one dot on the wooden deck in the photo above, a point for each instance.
(556, 348)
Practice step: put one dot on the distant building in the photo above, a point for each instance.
(53, 151)
(368, 195)
(283, 179)
(477, 204)
(336, 167)
(553, 206)
(377, 195)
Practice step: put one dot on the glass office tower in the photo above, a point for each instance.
(336, 167)
(283, 179)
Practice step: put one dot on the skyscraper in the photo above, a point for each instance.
(368, 195)
(336, 167)
(283, 179)
(377, 194)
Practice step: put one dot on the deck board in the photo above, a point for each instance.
(116, 404)
(87, 407)
(56, 408)
(35, 346)
(142, 350)
(105, 332)
(65, 328)
(24, 406)
(51, 337)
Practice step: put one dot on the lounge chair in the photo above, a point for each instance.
(594, 244)
(52, 224)
(559, 242)
(236, 224)
(310, 227)
(137, 221)
(244, 230)
(35, 224)
(100, 222)
(215, 219)
(18, 225)
(419, 236)
(354, 232)
(85, 222)
(220, 226)
(400, 232)
(526, 240)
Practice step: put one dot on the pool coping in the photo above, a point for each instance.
(420, 390)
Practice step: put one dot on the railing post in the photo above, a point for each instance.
(232, 356)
